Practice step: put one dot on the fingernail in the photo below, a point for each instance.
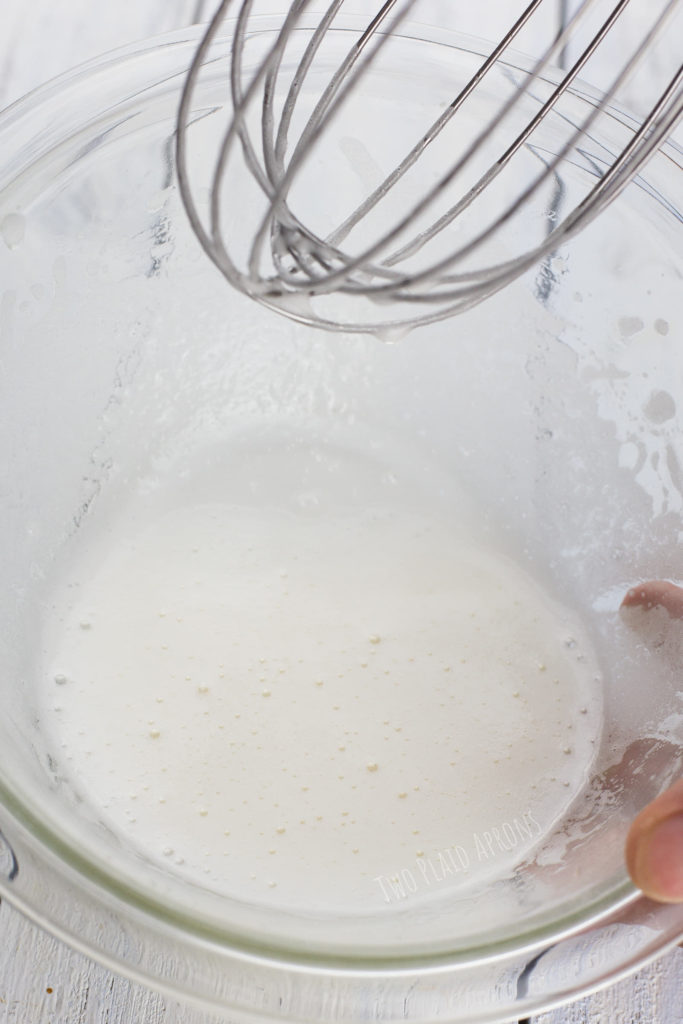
(658, 861)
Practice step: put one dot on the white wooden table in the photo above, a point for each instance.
(41, 980)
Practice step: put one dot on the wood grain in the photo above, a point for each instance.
(42, 981)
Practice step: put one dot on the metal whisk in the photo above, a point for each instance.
(452, 213)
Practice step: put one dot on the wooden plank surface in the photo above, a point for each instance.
(41, 980)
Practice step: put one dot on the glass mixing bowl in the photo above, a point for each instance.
(547, 418)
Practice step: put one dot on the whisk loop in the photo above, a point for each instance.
(459, 211)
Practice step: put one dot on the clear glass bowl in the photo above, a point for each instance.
(126, 359)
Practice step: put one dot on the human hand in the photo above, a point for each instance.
(654, 846)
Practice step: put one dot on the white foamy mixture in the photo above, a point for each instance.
(289, 702)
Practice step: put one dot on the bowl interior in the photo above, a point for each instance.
(345, 509)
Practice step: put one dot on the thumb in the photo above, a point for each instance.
(654, 847)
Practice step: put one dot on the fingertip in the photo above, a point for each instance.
(655, 594)
(650, 867)
(655, 860)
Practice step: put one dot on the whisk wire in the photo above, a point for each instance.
(339, 278)
(333, 96)
(563, 230)
(492, 173)
(310, 263)
(340, 233)
(498, 273)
